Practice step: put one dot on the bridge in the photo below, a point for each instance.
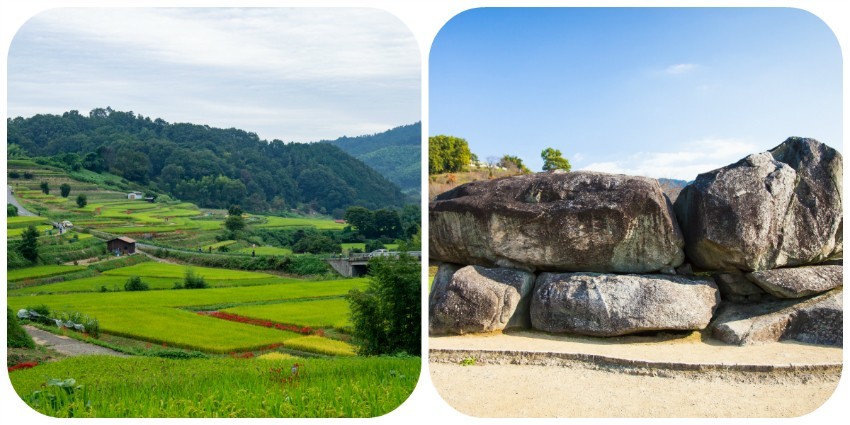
(355, 265)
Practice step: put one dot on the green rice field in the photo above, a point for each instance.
(313, 313)
(321, 224)
(41, 271)
(266, 250)
(162, 316)
(226, 387)
(154, 269)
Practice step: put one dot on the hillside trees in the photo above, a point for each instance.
(82, 200)
(447, 154)
(45, 188)
(207, 166)
(65, 190)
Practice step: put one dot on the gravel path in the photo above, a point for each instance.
(67, 346)
(529, 374)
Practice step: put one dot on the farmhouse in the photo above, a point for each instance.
(121, 246)
(135, 195)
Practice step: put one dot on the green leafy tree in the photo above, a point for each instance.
(374, 244)
(65, 190)
(134, 283)
(234, 222)
(29, 244)
(513, 162)
(82, 200)
(447, 154)
(387, 315)
(45, 188)
(11, 210)
(552, 160)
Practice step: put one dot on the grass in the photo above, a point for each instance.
(16, 232)
(40, 271)
(157, 316)
(321, 224)
(154, 269)
(316, 344)
(315, 314)
(154, 387)
(265, 250)
(23, 221)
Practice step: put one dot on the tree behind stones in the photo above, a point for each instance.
(552, 160)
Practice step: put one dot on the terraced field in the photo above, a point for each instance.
(162, 317)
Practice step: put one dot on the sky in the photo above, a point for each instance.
(653, 92)
(290, 74)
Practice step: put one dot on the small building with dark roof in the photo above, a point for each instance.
(121, 246)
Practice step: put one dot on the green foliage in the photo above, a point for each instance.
(29, 244)
(134, 283)
(11, 210)
(374, 244)
(209, 166)
(447, 154)
(234, 223)
(513, 163)
(45, 188)
(193, 281)
(60, 398)
(64, 189)
(375, 224)
(16, 336)
(395, 153)
(82, 200)
(552, 160)
(316, 243)
(468, 361)
(386, 316)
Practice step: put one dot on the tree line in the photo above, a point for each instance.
(211, 167)
(450, 154)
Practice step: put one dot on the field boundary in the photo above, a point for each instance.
(745, 372)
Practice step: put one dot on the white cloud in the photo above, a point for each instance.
(684, 163)
(680, 68)
(301, 44)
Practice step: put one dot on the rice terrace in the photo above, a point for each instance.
(213, 322)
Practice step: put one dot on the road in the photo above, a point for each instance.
(11, 199)
(67, 346)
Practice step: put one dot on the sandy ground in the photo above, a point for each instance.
(528, 374)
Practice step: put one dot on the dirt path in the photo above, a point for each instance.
(528, 374)
(67, 346)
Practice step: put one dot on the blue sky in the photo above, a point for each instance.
(290, 74)
(654, 92)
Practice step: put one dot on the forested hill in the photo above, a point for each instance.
(209, 166)
(395, 153)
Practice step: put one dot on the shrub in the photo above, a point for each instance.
(11, 210)
(134, 283)
(16, 336)
(372, 245)
(387, 315)
(193, 281)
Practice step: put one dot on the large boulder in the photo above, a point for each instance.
(735, 287)
(580, 221)
(608, 304)
(798, 282)
(479, 299)
(779, 208)
(817, 320)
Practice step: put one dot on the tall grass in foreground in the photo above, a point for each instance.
(225, 387)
